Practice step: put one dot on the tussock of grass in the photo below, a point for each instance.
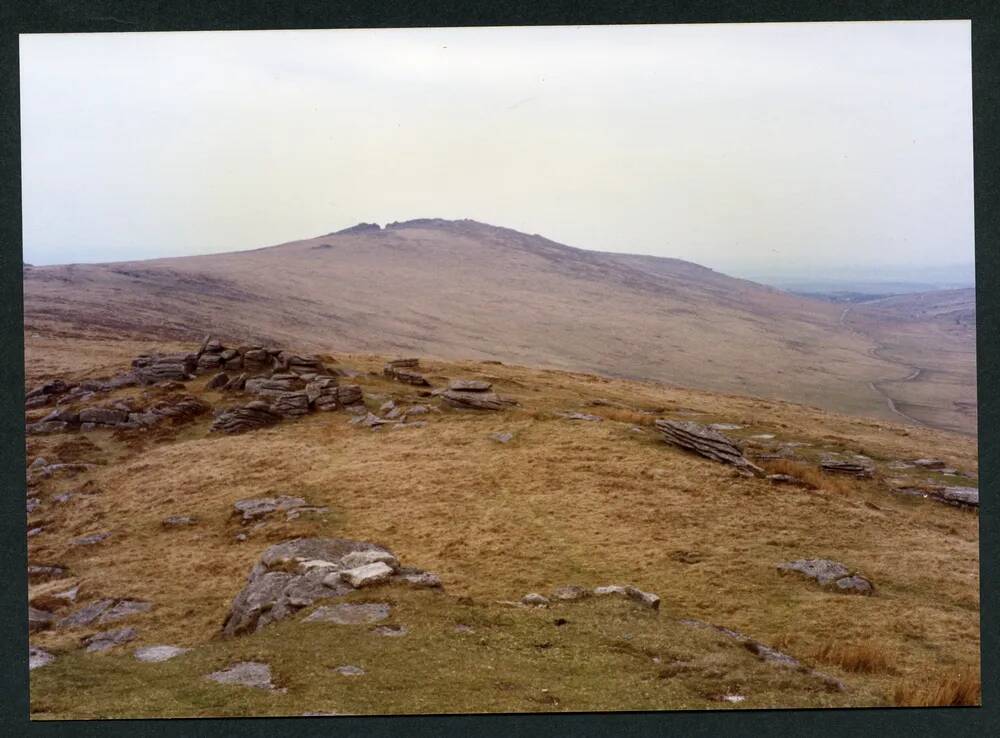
(960, 689)
(808, 473)
(868, 657)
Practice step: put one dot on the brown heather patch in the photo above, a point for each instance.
(866, 657)
(809, 473)
(960, 689)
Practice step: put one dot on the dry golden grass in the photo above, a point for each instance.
(960, 689)
(564, 502)
(808, 473)
(865, 657)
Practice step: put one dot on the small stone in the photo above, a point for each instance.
(421, 579)
(362, 558)
(505, 437)
(535, 600)
(38, 658)
(156, 654)
(91, 540)
(350, 671)
(38, 620)
(245, 674)
(109, 639)
(179, 521)
(570, 593)
(392, 631)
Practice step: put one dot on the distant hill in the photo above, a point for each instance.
(463, 289)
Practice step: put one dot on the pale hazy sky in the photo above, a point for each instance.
(795, 147)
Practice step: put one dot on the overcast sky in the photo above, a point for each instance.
(747, 148)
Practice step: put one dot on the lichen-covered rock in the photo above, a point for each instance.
(293, 575)
(158, 654)
(245, 674)
(109, 639)
(829, 575)
(253, 415)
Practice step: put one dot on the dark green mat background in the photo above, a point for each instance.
(49, 16)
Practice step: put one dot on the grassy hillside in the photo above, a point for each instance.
(564, 502)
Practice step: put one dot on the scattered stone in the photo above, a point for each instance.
(418, 579)
(109, 639)
(770, 655)
(462, 628)
(123, 609)
(829, 575)
(849, 468)
(570, 593)
(648, 599)
(179, 521)
(92, 540)
(763, 437)
(967, 497)
(535, 600)
(724, 426)
(158, 654)
(350, 671)
(349, 614)
(473, 400)
(581, 416)
(505, 437)
(707, 442)
(38, 658)
(35, 531)
(392, 631)
(245, 674)
(929, 463)
(43, 572)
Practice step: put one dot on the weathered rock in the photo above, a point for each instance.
(236, 384)
(86, 615)
(290, 576)
(724, 426)
(470, 385)
(123, 609)
(256, 361)
(38, 658)
(570, 593)
(371, 556)
(707, 442)
(253, 415)
(770, 655)
(367, 575)
(103, 415)
(254, 509)
(207, 362)
(404, 363)
(350, 614)
(581, 416)
(418, 579)
(274, 386)
(219, 381)
(504, 437)
(535, 599)
(466, 400)
(929, 463)
(348, 394)
(291, 404)
(44, 572)
(633, 593)
(350, 671)
(158, 654)
(967, 497)
(109, 639)
(245, 674)
(323, 393)
(830, 575)
(91, 540)
(849, 468)
(179, 521)
(407, 376)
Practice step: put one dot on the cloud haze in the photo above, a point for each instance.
(742, 147)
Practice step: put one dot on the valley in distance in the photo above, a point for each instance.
(446, 467)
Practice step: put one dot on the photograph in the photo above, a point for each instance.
(499, 369)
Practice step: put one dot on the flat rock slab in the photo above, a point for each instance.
(707, 442)
(38, 658)
(91, 540)
(350, 614)
(505, 437)
(830, 575)
(582, 416)
(260, 507)
(156, 654)
(245, 674)
(109, 639)
(367, 575)
(470, 385)
(958, 496)
(350, 671)
(570, 593)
